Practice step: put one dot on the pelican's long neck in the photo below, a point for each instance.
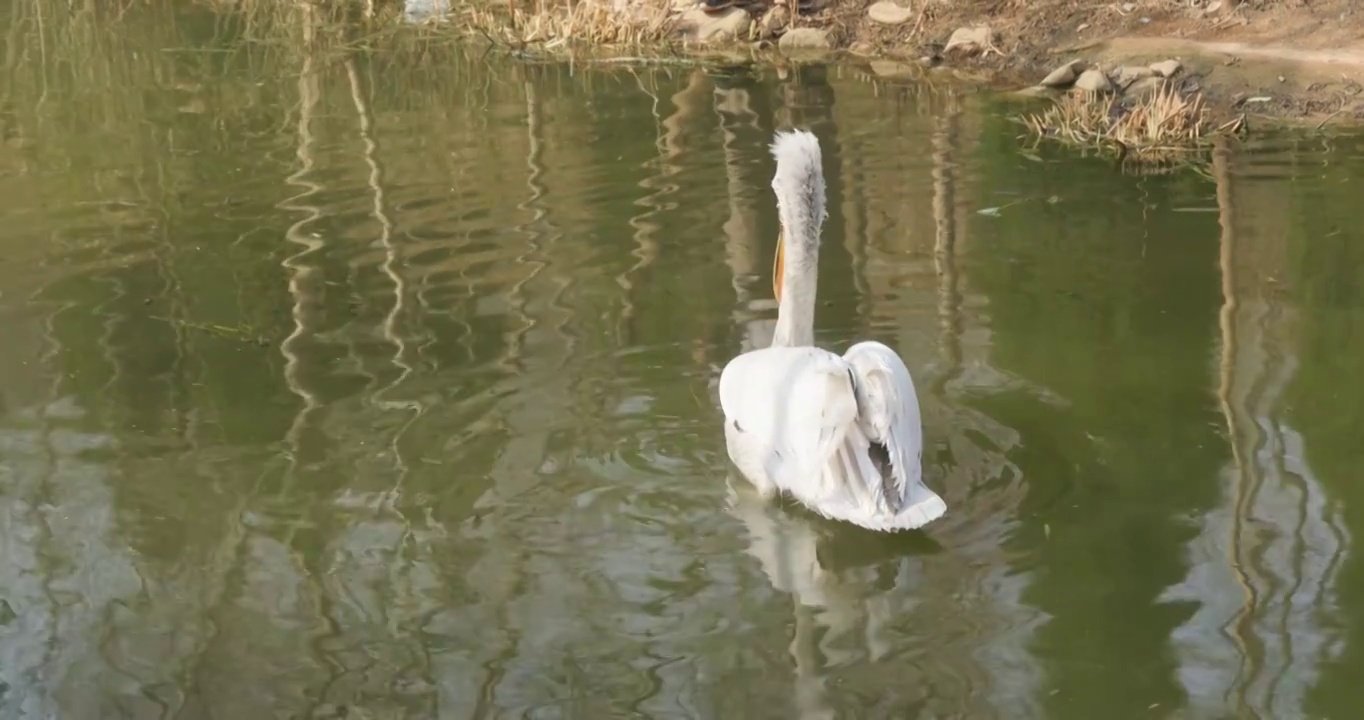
(799, 280)
(799, 186)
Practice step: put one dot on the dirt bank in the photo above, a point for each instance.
(1295, 59)
(1299, 60)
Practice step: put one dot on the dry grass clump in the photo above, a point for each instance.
(557, 22)
(1158, 126)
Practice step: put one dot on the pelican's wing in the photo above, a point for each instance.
(888, 414)
(797, 402)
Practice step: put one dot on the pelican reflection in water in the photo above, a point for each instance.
(840, 434)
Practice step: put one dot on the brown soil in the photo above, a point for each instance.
(1294, 59)
(1300, 60)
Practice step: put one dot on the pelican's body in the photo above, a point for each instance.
(841, 434)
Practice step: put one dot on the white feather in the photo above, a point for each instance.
(798, 182)
(801, 420)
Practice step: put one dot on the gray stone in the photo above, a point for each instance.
(705, 28)
(1093, 81)
(1166, 68)
(774, 21)
(889, 13)
(970, 40)
(862, 48)
(1063, 76)
(1128, 74)
(805, 39)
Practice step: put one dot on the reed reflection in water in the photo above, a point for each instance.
(348, 376)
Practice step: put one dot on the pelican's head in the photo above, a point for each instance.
(799, 186)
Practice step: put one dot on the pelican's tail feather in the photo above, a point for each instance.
(924, 507)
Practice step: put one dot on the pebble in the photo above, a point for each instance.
(1166, 68)
(805, 39)
(720, 27)
(1093, 81)
(970, 39)
(1063, 76)
(889, 13)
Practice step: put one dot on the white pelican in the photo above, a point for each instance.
(840, 434)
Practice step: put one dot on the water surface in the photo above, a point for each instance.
(345, 382)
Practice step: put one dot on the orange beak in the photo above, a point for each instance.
(778, 264)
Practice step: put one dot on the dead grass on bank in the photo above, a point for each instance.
(558, 22)
(1160, 125)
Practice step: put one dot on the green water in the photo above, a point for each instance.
(380, 384)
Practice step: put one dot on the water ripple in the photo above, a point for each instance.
(357, 387)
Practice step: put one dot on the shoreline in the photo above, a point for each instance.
(1300, 67)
